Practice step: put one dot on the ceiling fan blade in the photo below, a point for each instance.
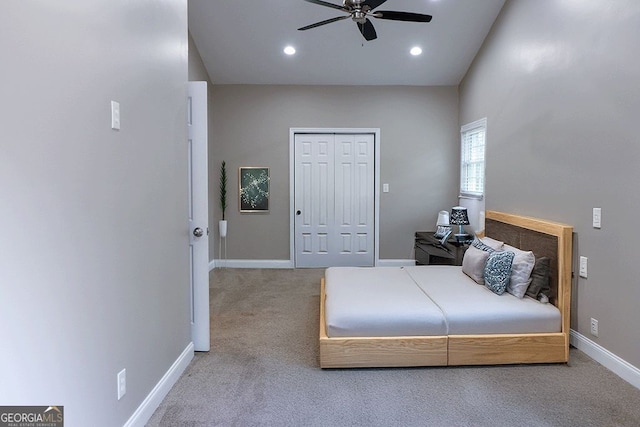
(327, 4)
(328, 21)
(373, 3)
(401, 16)
(367, 30)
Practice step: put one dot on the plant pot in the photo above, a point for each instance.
(223, 228)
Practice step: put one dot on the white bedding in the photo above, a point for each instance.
(375, 302)
(425, 301)
(472, 309)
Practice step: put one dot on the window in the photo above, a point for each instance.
(472, 136)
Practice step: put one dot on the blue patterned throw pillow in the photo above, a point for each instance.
(497, 271)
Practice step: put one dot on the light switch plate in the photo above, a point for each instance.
(115, 115)
(385, 188)
(597, 217)
(122, 383)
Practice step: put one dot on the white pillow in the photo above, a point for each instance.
(521, 269)
(492, 243)
(473, 263)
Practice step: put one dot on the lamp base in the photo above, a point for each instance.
(462, 237)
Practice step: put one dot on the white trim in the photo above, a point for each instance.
(618, 366)
(376, 184)
(160, 391)
(473, 125)
(470, 196)
(478, 124)
(254, 263)
(288, 264)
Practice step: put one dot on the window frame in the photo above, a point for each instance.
(473, 127)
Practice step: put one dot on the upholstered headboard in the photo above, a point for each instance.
(541, 244)
(544, 238)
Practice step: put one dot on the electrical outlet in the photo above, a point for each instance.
(583, 266)
(594, 327)
(122, 383)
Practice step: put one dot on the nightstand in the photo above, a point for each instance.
(429, 251)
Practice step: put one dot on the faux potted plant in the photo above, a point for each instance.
(223, 199)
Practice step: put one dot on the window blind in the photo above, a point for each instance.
(472, 159)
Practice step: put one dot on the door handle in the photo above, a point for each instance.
(298, 212)
(198, 232)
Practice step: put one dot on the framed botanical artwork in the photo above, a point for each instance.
(253, 189)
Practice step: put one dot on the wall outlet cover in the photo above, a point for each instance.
(594, 327)
(583, 266)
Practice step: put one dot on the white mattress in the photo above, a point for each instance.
(470, 308)
(425, 300)
(375, 302)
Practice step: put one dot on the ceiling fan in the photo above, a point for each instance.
(360, 10)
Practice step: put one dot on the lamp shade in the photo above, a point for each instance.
(459, 216)
(443, 218)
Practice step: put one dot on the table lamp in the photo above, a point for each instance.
(460, 218)
(443, 218)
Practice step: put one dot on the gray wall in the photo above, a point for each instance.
(197, 70)
(561, 94)
(419, 155)
(93, 254)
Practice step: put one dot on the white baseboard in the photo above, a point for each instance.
(159, 392)
(252, 263)
(285, 263)
(620, 367)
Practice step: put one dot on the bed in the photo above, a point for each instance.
(419, 316)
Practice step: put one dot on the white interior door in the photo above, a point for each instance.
(314, 199)
(334, 200)
(198, 214)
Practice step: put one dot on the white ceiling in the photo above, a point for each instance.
(242, 42)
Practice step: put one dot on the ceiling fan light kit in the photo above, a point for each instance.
(360, 10)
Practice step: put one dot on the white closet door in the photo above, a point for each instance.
(334, 197)
(354, 196)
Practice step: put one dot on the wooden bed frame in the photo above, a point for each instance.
(544, 238)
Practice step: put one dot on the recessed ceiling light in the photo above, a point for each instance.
(289, 50)
(415, 51)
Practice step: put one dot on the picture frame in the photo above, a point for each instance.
(253, 189)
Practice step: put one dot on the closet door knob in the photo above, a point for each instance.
(298, 212)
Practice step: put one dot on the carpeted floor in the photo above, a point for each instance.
(262, 370)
